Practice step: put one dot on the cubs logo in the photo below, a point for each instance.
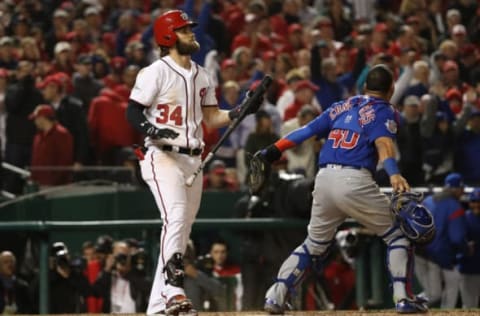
(391, 126)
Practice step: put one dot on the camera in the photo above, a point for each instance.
(104, 244)
(139, 260)
(121, 259)
(59, 252)
(61, 259)
(204, 263)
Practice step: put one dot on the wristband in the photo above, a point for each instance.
(390, 166)
(234, 113)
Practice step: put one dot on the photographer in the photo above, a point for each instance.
(205, 291)
(122, 290)
(68, 285)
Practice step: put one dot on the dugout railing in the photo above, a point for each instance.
(370, 263)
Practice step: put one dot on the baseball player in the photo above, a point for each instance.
(359, 131)
(170, 99)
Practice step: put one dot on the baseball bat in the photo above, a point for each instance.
(247, 103)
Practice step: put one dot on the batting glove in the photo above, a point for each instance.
(162, 133)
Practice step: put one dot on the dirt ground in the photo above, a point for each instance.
(452, 312)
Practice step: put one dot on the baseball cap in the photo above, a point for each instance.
(228, 63)
(453, 93)
(450, 65)
(459, 29)
(6, 40)
(217, 166)
(412, 100)
(381, 27)
(474, 195)
(52, 79)
(453, 12)
(306, 84)
(454, 180)
(44, 110)
(294, 27)
(60, 13)
(269, 54)
(84, 59)
(91, 10)
(118, 63)
(441, 116)
(62, 46)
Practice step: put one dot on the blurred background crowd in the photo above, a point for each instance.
(67, 67)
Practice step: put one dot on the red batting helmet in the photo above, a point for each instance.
(167, 23)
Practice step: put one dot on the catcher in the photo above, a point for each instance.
(359, 132)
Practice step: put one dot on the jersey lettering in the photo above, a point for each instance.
(343, 138)
(367, 115)
(165, 115)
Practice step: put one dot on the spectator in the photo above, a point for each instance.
(121, 291)
(91, 272)
(14, 292)
(20, 100)
(224, 269)
(304, 95)
(205, 292)
(469, 266)
(217, 178)
(117, 66)
(449, 241)
(70, 113)
(7, 53)
(68, 286)
(303, 158)
(409, 142)
(108, 127)
(52, 147)
(262, 135)
(64, 58)
(468, 149)
(228, 100)
(85, 86)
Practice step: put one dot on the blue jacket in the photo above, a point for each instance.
(450, 238)
(470, 264)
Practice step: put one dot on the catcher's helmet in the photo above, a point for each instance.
(414, 219)
(166, 24)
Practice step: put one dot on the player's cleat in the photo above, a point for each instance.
(272, 307)
(180, 305)
(409, 306)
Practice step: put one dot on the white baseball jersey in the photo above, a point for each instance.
(174, 97)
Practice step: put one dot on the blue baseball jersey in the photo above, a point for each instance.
(470, 263)
(351, 127)
(450, 242)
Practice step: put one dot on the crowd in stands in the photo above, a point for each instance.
(81, 59)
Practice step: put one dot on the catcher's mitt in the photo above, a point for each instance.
(258, 173)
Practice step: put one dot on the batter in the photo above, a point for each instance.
(168, 103)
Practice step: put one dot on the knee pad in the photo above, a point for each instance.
(174, 270)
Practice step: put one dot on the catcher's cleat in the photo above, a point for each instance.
(180, 305)
(411, 306)
(273, 308)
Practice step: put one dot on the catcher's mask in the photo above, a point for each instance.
(414, 219)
